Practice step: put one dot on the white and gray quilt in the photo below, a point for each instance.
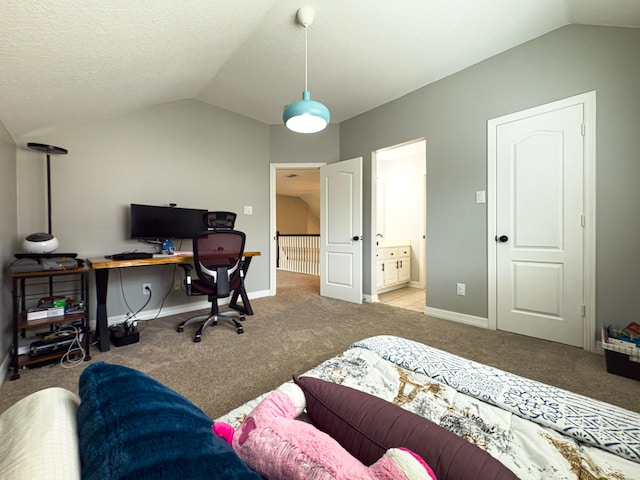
(536, 430)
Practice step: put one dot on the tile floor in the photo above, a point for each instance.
(406, 297)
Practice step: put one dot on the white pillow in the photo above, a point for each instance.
(39, 437)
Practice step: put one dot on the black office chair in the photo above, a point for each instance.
(217, 256)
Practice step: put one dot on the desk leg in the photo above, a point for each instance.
(102, 327)
(246, 305)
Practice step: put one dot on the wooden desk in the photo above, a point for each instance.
(102, 265)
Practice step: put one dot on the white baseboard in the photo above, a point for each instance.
(444, 314)
(477, 321)
(166, 311)
(457, 317)
(177, 309)
(375, 298)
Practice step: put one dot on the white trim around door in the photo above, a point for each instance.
(588, 101)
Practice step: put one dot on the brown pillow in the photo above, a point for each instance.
(367, 426)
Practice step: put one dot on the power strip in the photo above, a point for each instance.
(121, 336)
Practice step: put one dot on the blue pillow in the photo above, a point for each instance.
(133, 427)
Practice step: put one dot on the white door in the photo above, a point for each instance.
(539, 225)
(341, 230)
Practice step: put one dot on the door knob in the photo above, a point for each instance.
(502, 238)
(356, 238)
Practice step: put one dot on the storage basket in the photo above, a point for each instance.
(622, 359)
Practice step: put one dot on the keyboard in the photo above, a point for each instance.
(130, 256)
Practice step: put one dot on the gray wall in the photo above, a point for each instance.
(294, 217)
(8, 221)
(452, 115)
(185, 152)
(286, 146)
(196, 155)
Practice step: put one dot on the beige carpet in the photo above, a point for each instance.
(298, 329)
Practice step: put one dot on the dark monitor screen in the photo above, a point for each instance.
(149, 222)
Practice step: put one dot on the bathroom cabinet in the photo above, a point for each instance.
(393, 266)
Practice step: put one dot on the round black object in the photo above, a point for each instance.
(52, 149)
(39, 237)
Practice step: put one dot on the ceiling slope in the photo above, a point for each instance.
(72, 61)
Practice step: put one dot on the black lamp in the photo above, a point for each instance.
(39, 243)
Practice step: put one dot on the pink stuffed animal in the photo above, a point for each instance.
(277, 446)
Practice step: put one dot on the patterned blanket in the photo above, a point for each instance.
(536, 430)
(585, 419)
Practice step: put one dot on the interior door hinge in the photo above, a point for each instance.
(582, 130)
(583, 311)
(583, 221)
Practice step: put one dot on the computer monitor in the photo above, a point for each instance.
(157, 223)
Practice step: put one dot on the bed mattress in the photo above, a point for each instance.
(536, 430)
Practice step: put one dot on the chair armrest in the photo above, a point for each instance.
(187, 267)
(242, 266)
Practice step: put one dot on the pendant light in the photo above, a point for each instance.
(306, 115)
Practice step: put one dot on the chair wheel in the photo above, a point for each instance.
(240, 330)
(197, 339)
(180, 329)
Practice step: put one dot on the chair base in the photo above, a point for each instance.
(229, 317)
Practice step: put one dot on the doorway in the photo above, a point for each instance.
(303, 184)
(398, 215)
(541, 222)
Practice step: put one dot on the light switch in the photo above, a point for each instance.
(248, 210)
(481, 196)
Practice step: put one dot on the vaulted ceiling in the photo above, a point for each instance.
(69, 62)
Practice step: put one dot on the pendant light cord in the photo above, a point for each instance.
(306, 115)
(305, 58)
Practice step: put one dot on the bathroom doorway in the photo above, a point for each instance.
(398, 222)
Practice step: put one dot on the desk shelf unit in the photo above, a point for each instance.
(27, 289)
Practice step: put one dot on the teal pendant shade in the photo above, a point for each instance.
(306, 115)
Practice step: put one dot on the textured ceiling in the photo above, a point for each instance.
(71, 61)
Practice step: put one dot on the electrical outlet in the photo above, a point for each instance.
(146, 286)
(177, 285)
(460, 289)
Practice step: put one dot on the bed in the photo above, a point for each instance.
(536, 430)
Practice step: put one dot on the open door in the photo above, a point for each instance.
(341, 230)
